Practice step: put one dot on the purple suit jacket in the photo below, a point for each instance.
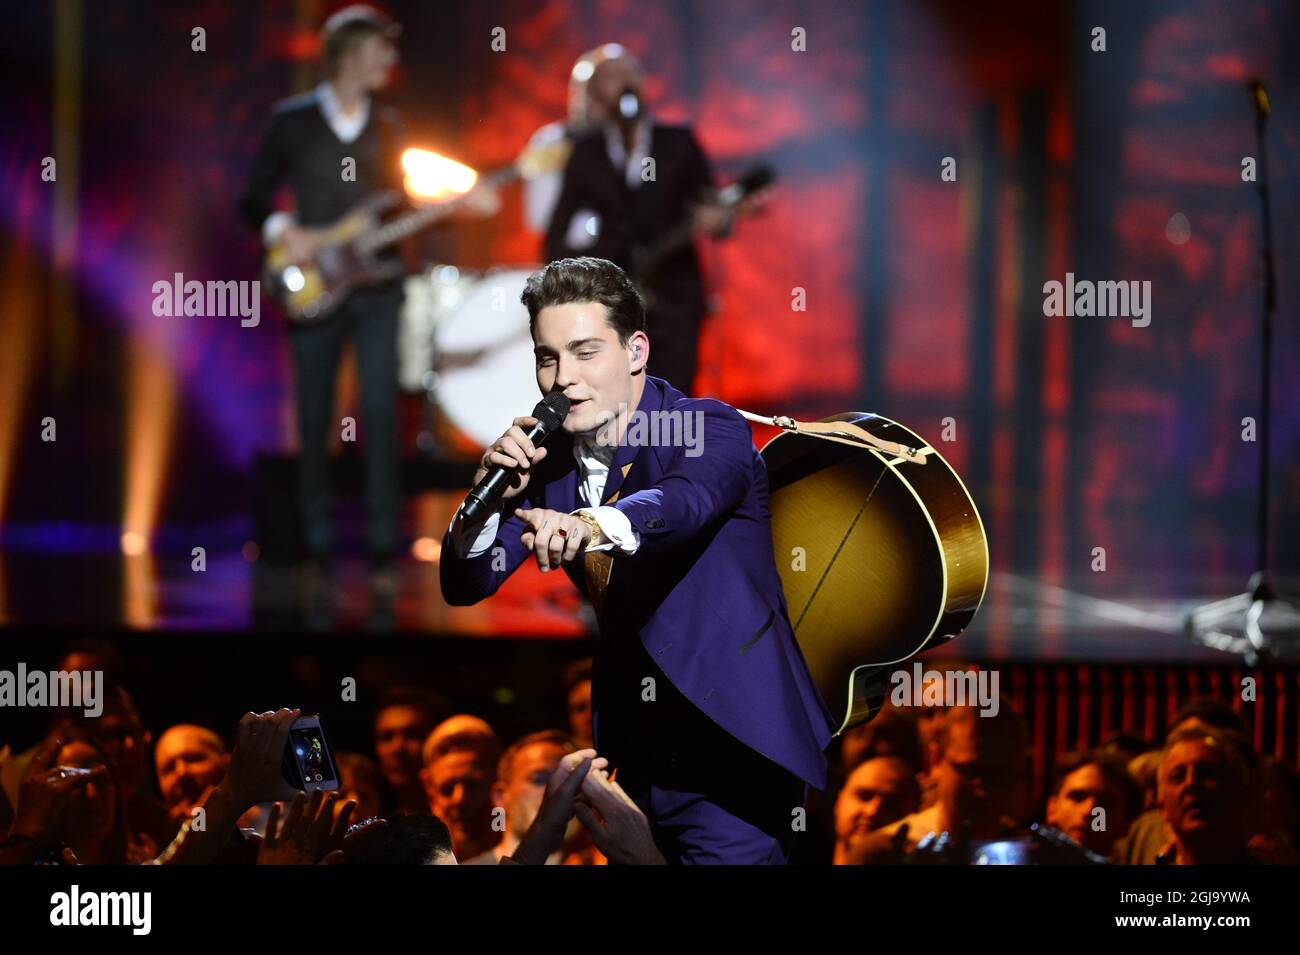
(701, 593)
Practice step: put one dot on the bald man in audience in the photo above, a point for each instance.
(1149, 835)
(1204, 799)
(881, 790)
(190, 761)
(460, 763)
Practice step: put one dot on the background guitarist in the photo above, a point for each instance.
(606, 209)
(309, 138)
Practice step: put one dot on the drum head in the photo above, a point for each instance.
(486, 370)
(430, 297)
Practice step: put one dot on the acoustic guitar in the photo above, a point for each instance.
(880, 548)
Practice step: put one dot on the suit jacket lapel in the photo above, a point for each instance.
(651, 399)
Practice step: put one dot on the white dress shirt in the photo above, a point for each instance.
(621, 158)
(585, 226)
(594, 460)
(346, 128)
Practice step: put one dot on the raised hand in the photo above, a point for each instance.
(254, 775)
(45, 793)
(343, 836)
(308, 833)
(514, 451)
(617, 825)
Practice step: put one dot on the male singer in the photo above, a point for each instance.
(701, 699)
(631, 182)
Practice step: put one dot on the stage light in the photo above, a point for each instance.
(151, 409)
(431, 176)
(139, 587)
(426, 549)
(19, 358)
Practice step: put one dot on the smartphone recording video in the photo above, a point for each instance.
(308, 762)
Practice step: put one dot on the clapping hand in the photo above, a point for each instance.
(546, 834)
(617, 825)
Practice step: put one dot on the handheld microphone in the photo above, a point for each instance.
(629, 106)
(550, 414)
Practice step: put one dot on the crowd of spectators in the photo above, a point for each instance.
(924, 784)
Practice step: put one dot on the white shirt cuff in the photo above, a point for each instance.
(482, 532)
(618, 530)
(275, 225)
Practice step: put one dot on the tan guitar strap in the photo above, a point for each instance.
(599, 565)
(844, 432)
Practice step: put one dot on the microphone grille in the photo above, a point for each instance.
(552, 410)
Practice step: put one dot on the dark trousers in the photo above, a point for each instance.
(369, 318)
(709, 798)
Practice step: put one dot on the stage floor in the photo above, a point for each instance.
(102, 590)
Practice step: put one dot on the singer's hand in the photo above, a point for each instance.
(555, 537)
(512, 450)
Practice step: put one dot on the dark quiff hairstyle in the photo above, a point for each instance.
(586, 280)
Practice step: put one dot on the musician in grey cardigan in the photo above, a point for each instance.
(334, 148)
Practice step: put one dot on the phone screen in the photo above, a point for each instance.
(313, 758)
(1003, 852)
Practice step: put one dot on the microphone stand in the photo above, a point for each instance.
(1256, 624)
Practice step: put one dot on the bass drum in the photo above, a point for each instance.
(431, 296)
(486, 372)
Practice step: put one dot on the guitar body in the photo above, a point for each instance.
(348, 257)
(647, 260)
(310, 293)
(895, 559)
